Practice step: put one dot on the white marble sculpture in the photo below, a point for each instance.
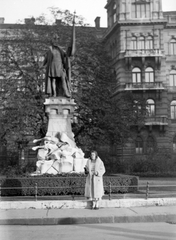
(58, 156)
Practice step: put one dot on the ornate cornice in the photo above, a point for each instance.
(142, 22)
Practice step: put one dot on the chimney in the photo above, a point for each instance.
(2, 20)
(30, 21)
(58, 21)
(97, 22)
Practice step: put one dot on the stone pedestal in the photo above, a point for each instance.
(60, 111)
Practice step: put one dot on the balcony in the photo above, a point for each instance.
(157, 54)
(145, 86)
(144, 53)
(161, 121)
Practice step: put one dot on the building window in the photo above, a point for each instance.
(150, 105)
(137, 108)
(173, 47)
(173, 109)
(150, 144)
(113, 50)
(114, 14)
(149, 43)
(136, 75)
(172, 78)
(139, 145)
(140, 9)
(174, 144)
(134, 43)
(149, 75)
(141, 43)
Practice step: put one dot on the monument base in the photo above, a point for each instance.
(59, 153)
(60, 112)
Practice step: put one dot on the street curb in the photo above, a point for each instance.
(82, 204)
(90, 220)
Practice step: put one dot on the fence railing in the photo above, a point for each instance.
(144, 191)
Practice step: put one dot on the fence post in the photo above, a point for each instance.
(36, 190)
(73, 197)
(0, 191)
(109, 190)
(147, 190)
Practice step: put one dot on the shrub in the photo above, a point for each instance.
(158, 162)
(11, 171)
(63, 184)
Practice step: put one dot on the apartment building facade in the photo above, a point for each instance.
(141, 39)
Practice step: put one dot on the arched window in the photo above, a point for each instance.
(150, 107)
(150, 144)
(141, 43)
(174, 144)
(134, 43)
(173, 109)
(172, 78)
(173, 47)
(136, 75)
(149, 43)
(139, 145)
(149, 74)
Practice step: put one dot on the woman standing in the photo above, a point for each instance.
(94, 189)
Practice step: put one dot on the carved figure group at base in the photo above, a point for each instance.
(58, 156)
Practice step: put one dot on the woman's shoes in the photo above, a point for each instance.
(96, 208)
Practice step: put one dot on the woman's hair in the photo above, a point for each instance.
(96, 154)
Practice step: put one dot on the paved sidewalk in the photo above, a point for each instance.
(52, 216)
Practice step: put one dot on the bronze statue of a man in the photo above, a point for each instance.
(57, 76)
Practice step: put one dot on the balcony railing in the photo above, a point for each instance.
(144, 86)
(144, 53)
(161, 120)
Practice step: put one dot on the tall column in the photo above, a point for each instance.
(155, 9)
(121, 14)
(128, 9)
(160, 9)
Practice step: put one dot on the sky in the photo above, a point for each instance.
(14, 10)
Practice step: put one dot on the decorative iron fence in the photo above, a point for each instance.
(142, 191)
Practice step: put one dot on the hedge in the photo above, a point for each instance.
(65, 184)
